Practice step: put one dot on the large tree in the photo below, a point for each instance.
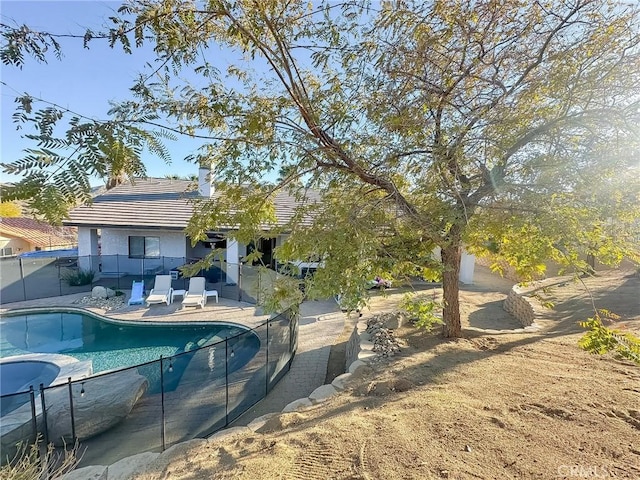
(485, 125)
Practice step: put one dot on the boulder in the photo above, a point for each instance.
(93, 472)
(102, 292)
(106, 401)
(129, 467)
(297, 405)
(322, 393)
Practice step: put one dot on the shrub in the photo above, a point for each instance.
(284, 294)
(76, 278)
(29, 464)
(422, 311)
(600, 339)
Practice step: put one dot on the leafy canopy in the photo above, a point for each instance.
(509, 127)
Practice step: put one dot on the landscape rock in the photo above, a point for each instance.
(107, 304)
(93, 472)
(297, 405)
(355, 365)
(102, 292)
(106, 401)
(322, 393)
(129, 466)
(339, 383)
(384, 342)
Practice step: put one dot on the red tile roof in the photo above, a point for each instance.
(38, 233)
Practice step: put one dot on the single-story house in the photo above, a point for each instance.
(140, 226)
(21, 234)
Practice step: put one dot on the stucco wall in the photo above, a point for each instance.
(17, 244)
(115, 241)
(115, 252)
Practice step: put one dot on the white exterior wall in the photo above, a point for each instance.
(88, 249)
(87, 241)
(115, 252)
(467, 267)
(115, 241)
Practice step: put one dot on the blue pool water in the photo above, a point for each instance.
(113, 345)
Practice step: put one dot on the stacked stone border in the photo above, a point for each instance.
(523, 300)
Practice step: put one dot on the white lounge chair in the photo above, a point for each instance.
(196, 294)
(162, 291)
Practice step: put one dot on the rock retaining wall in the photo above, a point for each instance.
(519, 306)
(352, 349)
(523, 300)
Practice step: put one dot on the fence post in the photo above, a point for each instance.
(32, 399)
(226, 381)
(59, 277)
(266, 368)
(73, 420)
(24, 287)
(118, 271)
(44, 415)
(162, 426)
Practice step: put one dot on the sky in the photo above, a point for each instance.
(84, 81)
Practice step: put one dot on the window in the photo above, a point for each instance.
(6, 252)
(144, 247)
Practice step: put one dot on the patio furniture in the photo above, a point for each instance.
(137, 293)
(179, 293)
(162, 291)
(211, 293)
(196, 294)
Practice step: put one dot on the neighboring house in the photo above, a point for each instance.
(140, 226)
(20, 235)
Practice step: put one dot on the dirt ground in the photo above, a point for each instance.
(488, 406)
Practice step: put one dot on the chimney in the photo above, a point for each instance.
(205, 182)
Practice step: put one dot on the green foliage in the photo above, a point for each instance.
(425, 312)
(28, 464)
(79, 277)
(285, 293)
(601, 339)
(478, 124)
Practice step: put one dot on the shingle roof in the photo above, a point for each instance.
(156, 203)
(37, 233)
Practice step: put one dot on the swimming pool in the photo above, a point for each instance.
(113, 345)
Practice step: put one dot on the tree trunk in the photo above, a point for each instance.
(451, 256)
